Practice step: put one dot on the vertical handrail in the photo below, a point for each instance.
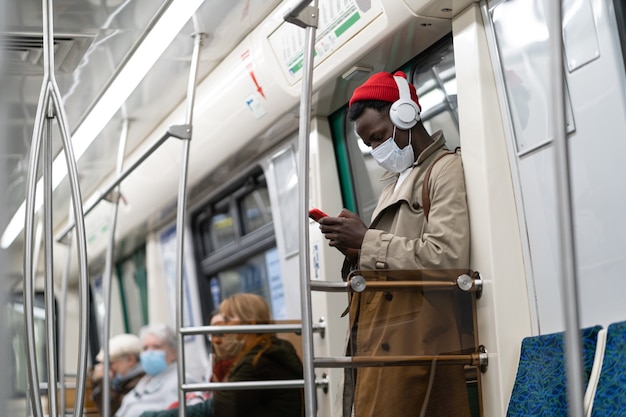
(108, 274)
(81, 243)
(565, 241)
(62, 317)
(49, 262)
(180, 221)
(50, 98)
(307, 17)
(29, 278)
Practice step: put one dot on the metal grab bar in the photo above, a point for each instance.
(62, 318)
(468, 282)
(181, 211)
(565, 241)
(244, 385)
(306, 17)
(477, 359)
(49, 268)
(251, 328)
(107, 276)
(50, 106)
(173, 131)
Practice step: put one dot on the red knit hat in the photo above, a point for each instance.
(381, 86)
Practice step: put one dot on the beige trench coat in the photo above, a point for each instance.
(410, 322)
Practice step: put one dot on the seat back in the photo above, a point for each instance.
(610, 395)
(540, 384)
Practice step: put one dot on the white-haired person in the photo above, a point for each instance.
(124, 369)
(158, 388)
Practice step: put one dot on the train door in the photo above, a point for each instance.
(595, 108)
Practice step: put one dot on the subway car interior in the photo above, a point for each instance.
(160, 156)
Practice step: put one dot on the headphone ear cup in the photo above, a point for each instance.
(404, 113)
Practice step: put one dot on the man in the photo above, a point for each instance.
(415, 226)
(125, 370)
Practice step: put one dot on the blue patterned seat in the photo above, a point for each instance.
(540, 385)
(610, 397)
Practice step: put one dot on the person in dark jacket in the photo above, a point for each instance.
(125, 370)
(263, 357)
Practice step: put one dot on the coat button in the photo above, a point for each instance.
(385, 346)
(388, 296)
(416, 205)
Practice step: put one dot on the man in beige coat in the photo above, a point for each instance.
(413, 227)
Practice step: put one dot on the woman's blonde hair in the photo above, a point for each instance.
(250, 309)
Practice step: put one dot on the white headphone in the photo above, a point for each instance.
(404, 113)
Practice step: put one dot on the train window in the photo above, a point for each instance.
(241, 254)
(249, 276)
(255, 209)
(434, 77)
(221, 227)
(17, 344)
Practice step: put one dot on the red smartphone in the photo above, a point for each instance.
(316, 214)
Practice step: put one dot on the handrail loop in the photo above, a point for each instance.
(50, 106)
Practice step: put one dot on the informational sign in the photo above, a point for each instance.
(277, 292)
(339, 21)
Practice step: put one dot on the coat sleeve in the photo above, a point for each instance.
(442, 242)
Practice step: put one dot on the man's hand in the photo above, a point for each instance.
(345, 232)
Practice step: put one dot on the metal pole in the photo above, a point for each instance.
(307, 17)
(106, 192)
(29, 274)
(81, 242)
(567, 250)
(62, 314)
(108, 276)
(251, 328)
(49, 270)
(51, 96)
(181, 212)
(81, 246)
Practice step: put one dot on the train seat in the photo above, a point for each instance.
(540, 383)
(609, 396)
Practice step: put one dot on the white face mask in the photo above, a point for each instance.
(389, 156)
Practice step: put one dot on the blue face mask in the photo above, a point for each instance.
(153, 361)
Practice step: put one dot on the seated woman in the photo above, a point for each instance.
(224, 350)
(263, 357)
(158, 388)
